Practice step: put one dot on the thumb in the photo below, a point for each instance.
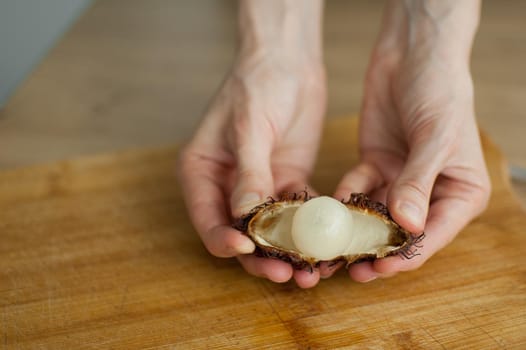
(365, 177)
(409, 196)
(254, 181)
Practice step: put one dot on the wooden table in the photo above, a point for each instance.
(98, 252)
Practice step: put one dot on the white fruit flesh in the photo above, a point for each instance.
(337, 231)
(321, 228)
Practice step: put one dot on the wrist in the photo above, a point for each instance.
(287, 28)
(441, 30)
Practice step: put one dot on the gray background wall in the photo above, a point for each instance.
(28, 28)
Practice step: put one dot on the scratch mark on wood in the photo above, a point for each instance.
(434, 339)
(467, 318)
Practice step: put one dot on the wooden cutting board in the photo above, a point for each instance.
(99, 253)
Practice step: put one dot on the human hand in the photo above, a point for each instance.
(419, 143)
(258, 138)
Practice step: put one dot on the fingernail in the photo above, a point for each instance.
(370, 279)
(247, 247)
(248, 201)
(411, 212)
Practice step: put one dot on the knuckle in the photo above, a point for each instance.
(248, 174)
(416, 188)
(362, 170)
(249, 128)
(429, 131)
(250, 180)
(241, 127)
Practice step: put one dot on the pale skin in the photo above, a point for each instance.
(419, 145)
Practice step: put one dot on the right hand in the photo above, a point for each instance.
(258, 138)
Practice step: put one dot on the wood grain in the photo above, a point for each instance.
(98, 252)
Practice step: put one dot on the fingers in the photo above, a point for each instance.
(363, 272)
(224, 242)
(272, 269)
(205, 203)
(291, 179)
(364, 178)
(409, 196)
(278, 271)
(253, 148)
(446, 218)
(206, 207)
(307, 279)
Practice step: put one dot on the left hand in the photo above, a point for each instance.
(420, 149)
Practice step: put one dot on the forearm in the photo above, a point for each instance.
(444, 29)
(284, 26)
